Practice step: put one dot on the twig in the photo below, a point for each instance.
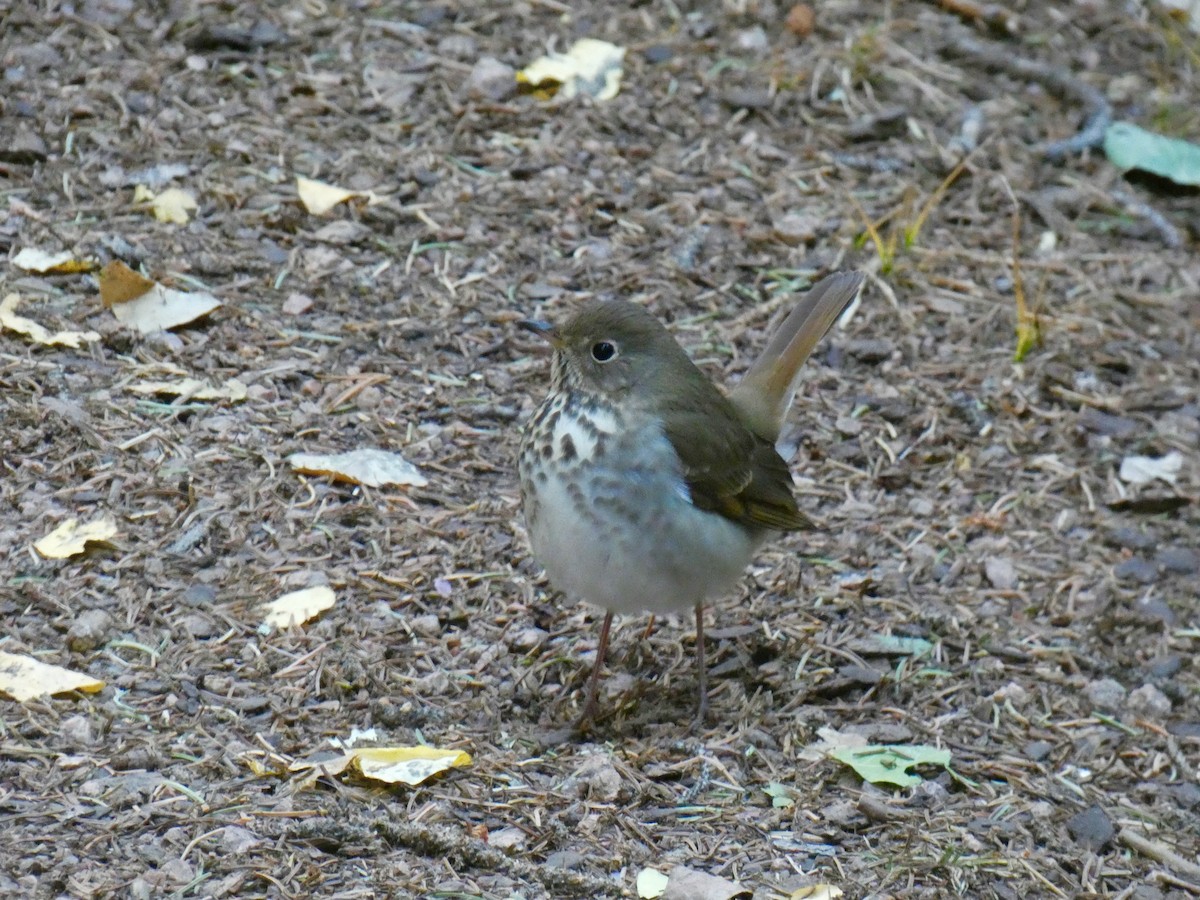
(1160, 852)
(992, 15)
(1054, 78)
(1169, 233)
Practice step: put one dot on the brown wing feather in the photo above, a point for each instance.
(731, 471)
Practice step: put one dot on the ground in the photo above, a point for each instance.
(983, 581)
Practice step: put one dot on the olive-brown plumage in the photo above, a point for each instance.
(644, 486)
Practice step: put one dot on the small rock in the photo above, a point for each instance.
(1091, 828)
(1000, 572)
(177, 871)
(1105, 694)
(89, 630)
(749, 98)
(1136, 569)
(1155, 609)
(921, 507)
(198, 594)
(1149, 702)
(510, 838)
(564, 859)
(1038, 750)
(657, 53)
(1164, 666)
(297, 304)
(490, 79)
(929, 794)
(1180, 560)
(198, 626)
(1132, 538)
(428, 626)
(76, 731)
(24, 149)
(870, 350)
(596, 778)
(237, 840)
(753, 39)
(1186, 794)
(526, 639)
(890, 121)
(795, 229)
(800, 20)
(1107, 424)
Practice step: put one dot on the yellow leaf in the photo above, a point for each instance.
(298, 607)
(590, 67)
(372, 468)
(817, 892)
(193, 389)
(24, 678)
(392, 765)
(148, 306)
(71, 538)
(319, 198)
(172, 205)
(33, 260)
(32, 330)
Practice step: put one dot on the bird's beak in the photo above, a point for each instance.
(544, 330)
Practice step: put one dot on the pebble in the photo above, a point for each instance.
(1000, 572)
(1136, 569)
(77, 731)
(1133, 538)
(1105, 694)
(490, 79)
(870, 350)
(1107, 424)
(1091, 828)
(1038, 750)
(1155, 609)
(427, 626)
(1164, 666)
(89, 630)
(1180, 560)
(1149, 702)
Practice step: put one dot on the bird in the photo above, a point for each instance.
(645, 487)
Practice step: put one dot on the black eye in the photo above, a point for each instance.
(603, 351)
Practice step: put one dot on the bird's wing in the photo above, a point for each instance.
(733, 472)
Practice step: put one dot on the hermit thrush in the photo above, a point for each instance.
(645, 487)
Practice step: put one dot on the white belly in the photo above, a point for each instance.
(640, 545)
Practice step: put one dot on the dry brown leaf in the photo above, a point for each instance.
(70, 538)
(372, 468)
(35, 332)
(689, 884)
(120, 284)
(25, 678)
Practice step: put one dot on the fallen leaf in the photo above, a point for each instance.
(120, 284)
(319, 198)
(70, 538)
(25, 678)
(589, 67)
(392, 765)
(781, 795)
(372, 468)
(689, 884)
(193, 389)
(1145, 469)
(817, 892)
(1129, 147)
(831, 739)
(298, 607)
(172, 205)
(33, 260)
(650, 884)
(35, 332)
(889, 764)
(148, 306)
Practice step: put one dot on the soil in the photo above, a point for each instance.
(983, 580)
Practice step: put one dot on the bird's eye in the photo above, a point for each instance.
(603, 351)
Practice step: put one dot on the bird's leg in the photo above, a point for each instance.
(589, 706)
(701, 669)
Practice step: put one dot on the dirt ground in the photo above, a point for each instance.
(969, 503)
